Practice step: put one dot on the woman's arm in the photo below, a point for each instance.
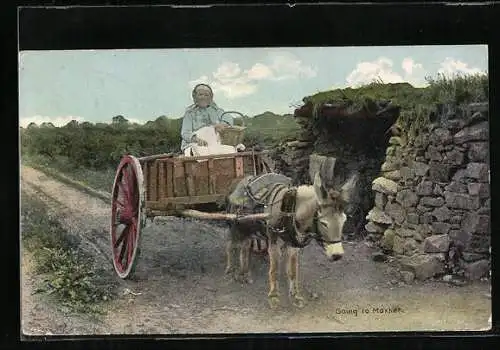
(187, 127)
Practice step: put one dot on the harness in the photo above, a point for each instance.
(267, 196)
(289, 225)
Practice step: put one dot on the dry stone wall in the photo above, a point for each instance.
(432, 196)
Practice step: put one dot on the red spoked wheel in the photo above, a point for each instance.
(126, 215)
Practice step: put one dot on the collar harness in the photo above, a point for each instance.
(288, 227)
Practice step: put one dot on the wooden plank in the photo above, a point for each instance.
(153, 183)
(162, 202)
(171, 189)
(188, 171)
(145, 173)
(238, 166)
(206, 215)
(155, 157)
(162, 184)
(211, 177)
(219, 156)
(221, 215)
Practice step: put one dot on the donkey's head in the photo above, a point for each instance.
(331, 203)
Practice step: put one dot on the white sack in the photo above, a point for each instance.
(209, 134)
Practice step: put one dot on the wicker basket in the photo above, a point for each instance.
(232, 135)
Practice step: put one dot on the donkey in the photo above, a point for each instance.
(296, 216)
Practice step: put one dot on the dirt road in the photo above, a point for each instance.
(181, 286)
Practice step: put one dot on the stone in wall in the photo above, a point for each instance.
(437, 244)
(461, 201)
(385, 186)
(423, 266)
(478, 152)
(477, 132)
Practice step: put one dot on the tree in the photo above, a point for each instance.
(47, 125)
(72, 124)
(119, 120)
(162, 122)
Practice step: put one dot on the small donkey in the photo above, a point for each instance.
(296, 216)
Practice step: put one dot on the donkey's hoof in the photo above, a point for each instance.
(244, 278)
(274, 301)
(298, 301)
(247, 280)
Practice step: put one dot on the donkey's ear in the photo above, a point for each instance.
(326, 171)
(319, 189)
(347, 190)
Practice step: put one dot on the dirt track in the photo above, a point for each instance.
(183, 289)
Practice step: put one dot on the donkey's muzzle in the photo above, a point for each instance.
(335, 257)
(334, 251)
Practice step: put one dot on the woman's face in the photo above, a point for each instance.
(202, 96)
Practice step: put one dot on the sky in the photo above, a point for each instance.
(141, 85)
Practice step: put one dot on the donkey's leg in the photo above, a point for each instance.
(244, 273)
(229, 257)
(274, 257)
(293, 276)
(231, 247)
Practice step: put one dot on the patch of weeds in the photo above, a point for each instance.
(69, 274)
(72, 279)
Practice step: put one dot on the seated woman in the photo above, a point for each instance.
(204, 112)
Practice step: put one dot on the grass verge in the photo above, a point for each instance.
(66, 272)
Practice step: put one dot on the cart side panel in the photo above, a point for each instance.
(201, 178)
(177, 182)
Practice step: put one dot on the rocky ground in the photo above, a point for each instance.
(181, 287)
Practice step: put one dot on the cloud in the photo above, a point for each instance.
(382, 69)
(367, 72)
(287, 67)
(414, 72)
(409, 65)
(234, 82)
(451, 67)
(227, 71)
(259, 71)
(56, 121)
(133, 120)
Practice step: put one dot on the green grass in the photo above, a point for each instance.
(66, 272)
(416, 103)
(440, 90)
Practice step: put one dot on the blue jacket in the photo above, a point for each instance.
(196, 117)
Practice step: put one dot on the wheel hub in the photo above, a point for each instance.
(125, 216)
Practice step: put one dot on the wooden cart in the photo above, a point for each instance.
(172, 185)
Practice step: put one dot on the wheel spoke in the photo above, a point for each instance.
(130, 180)
(131, 189)
(120, 203)
(123, 189)
(122, 251)
(125, 183)
(122, 236)
(130, 245)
